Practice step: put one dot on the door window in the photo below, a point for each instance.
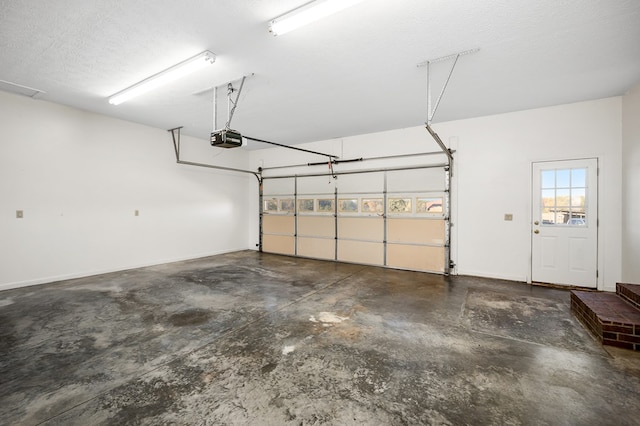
(563, 197)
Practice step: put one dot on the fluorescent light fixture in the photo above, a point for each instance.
(176, 72)
(307, 14)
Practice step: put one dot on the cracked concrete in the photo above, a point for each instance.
(250, 338)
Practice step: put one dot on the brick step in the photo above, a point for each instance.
(611, 319)
(630, 292)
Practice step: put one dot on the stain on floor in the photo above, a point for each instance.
(525, 317)
(285, 341)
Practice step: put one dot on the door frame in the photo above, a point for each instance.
(599, 248)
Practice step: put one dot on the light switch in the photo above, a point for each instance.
(508, 216)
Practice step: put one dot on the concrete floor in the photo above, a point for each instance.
(250, 338)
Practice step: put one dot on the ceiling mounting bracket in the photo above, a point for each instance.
(175, 134)
(227, 138)
(431, 109)
(232, 102)
(224, 137)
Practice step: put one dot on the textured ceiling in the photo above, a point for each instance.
(352, 73)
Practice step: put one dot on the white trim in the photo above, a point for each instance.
(478, 274)
(57, 278)
(599, 248)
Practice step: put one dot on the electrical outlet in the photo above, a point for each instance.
(136, 213)
(19, 214)
(508, 217)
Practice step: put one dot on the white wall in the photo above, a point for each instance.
(631, 186)
(492, 176)
(79, 177)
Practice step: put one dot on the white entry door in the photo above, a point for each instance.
(565, 223)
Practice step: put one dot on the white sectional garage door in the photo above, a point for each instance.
(397, 219)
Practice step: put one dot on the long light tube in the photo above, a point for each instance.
(307, 14)
(176, 72)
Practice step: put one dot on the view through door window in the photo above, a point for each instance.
(563, 194)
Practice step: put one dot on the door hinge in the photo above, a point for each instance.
(597, 273)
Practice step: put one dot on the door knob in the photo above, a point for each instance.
(537, 231)
(536, 223)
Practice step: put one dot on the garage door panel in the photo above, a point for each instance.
(281, 244)
(359, 183)
(314, 226)
(278, 187)
(416, 231)
(416, 258)
(276, 224)
(316, 185)
(319, 248)
(368, 253)
(388, 218)
(361, 228)
(416, 180)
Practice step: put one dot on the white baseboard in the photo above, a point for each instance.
(520, 279)
(74, 275)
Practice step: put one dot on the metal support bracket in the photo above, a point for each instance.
(431, 109)
(232, 103)
(175, 134)
(448, 152)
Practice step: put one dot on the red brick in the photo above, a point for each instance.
(609, 316)
(624, 345)
(628, 338)
(630, 292)
(617, 329)
(622, 323)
